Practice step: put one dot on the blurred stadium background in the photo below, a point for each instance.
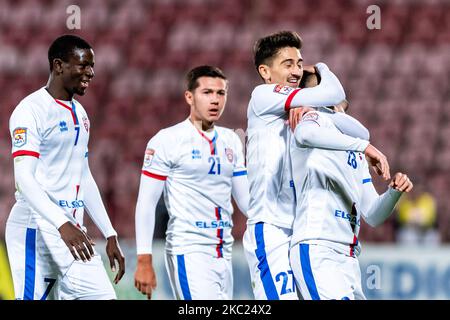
(396, 79)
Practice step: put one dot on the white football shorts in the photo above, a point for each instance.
(199, 276)
(43, 268)
(266, 248)
(323, 273)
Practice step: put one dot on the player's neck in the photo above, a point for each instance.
(57, 91)
(202, 125)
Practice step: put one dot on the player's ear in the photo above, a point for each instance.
(57, 65)
(264, 71)
(189, 97)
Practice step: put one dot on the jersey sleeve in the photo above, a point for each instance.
(349, 125)
(316, 130)
(366, 176)
(272, 99)
(275, 100)
(375, 208)
(239, 162)
(315, 118)
(26, 132)
(329, 92)
(157, 164)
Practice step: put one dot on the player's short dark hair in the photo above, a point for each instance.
(202, 71)
(64, 46)
(266, 48)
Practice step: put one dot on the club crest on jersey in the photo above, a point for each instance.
(282, 89)
(229, 154)
(148, 157)
(86, 123)
(19, 137)
(63, 126)
(311, 116)
(196, 154)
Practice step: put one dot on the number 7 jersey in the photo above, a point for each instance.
(57, 133)
(198, 168)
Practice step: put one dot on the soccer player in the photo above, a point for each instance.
(50, 253)
(199, 166)
(334, 190)
(272, 198)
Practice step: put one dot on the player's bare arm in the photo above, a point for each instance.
(115, 254)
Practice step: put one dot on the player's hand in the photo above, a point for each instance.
(115, 253)
(77, 241)
(145, 277)
(309, 69)
(295, 116)
(401, 182)
(378, 161)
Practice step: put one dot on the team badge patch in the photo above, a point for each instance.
(282, 89)
(311, 116)
(148, 157)
(229, 154)
(86, 123)
(19, 137)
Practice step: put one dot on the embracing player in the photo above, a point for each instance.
(272, 190)
(334, 190)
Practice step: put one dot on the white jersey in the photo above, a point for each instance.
(329, 191)
(268, 162)
(56, 132)
(198, 174)
(272, 192)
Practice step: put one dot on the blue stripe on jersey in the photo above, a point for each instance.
(30, 264)
(292, 185)
(213, 141)
(263, 266)
(240, 173)
(367, 180)
(307, 272)
(86, 154)
(74, 113)
(182, 276)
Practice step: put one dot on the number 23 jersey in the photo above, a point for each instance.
(330, 188)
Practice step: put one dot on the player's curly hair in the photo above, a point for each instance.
(63, 47)
(266, 48)
(202, 71)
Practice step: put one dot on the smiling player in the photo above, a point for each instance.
(45, 235)
(271, 210)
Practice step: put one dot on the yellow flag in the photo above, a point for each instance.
(6, 284)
